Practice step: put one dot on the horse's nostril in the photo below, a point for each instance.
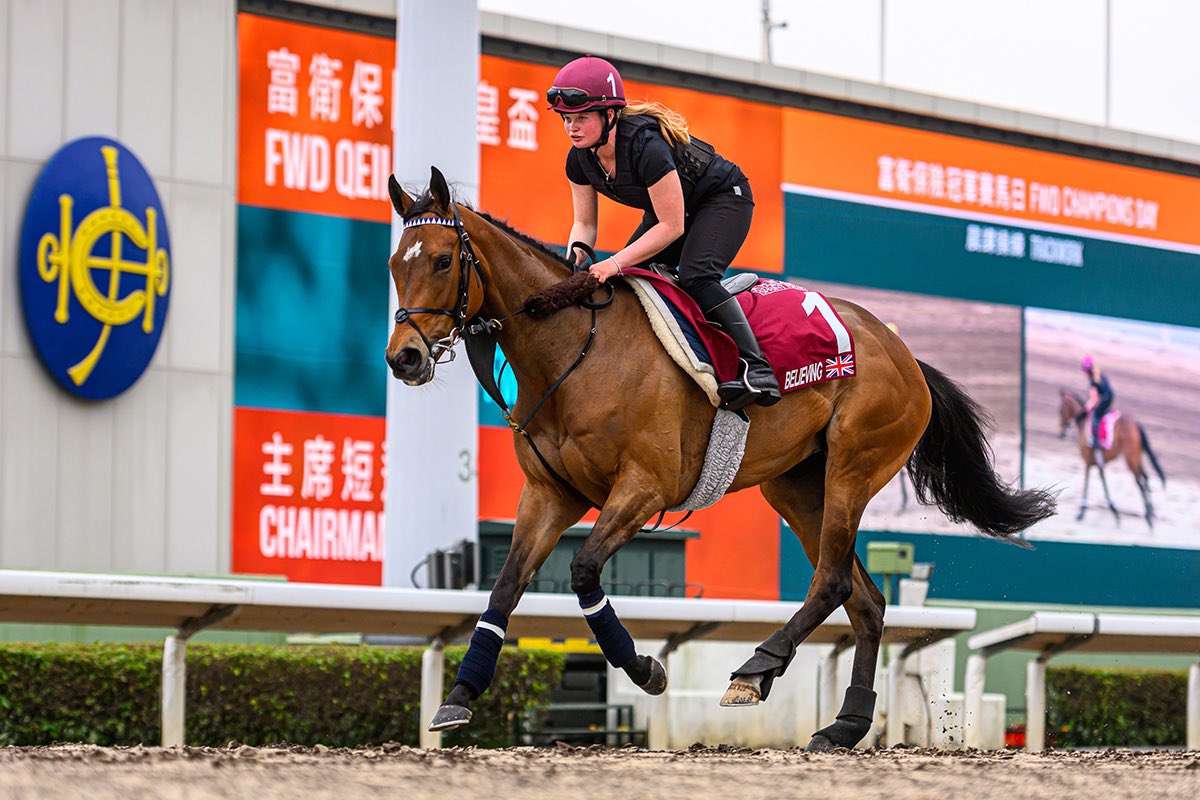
(408, 358)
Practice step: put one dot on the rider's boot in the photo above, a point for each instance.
(756, 381)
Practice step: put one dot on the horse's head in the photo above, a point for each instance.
(437, 279)
(1069, 409)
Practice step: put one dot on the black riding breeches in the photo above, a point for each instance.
(712, 236)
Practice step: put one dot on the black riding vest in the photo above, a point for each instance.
(702, 171)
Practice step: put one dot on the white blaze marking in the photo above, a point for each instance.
(412, 252)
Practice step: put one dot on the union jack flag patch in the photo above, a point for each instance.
(839, 366)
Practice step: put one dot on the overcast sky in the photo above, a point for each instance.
(729, 27)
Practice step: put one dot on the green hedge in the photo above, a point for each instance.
(340, 696)
(1116, 707)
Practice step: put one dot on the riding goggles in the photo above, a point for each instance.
(572, 98)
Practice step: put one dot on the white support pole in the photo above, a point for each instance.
(1193, 708)
(973, 683)
(433, 670)
(895, 702)
(827, 689)
(658, 717)
(174, 690)
(432, 494)
(1035, 706)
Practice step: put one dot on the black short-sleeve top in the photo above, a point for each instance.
(643, 157)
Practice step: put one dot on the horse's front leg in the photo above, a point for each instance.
(542, 515)
(1087, 473)
(627, 509)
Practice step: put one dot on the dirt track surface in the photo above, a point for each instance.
(396, 771)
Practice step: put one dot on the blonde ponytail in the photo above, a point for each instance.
(671, 124)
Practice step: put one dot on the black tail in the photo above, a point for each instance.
(1153, 458)
(952, 468)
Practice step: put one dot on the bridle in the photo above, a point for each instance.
(468, 265)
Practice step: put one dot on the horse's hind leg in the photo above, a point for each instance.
(1133, 459)
(865, 609)
(542, 516)
(798, 496)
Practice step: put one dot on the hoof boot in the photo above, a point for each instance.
(450, 716)
(820, 744)
(656, 684)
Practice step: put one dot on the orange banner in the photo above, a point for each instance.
(314, 118)
(523, 153)
(891, 165)
(308, 496)
(315, 136)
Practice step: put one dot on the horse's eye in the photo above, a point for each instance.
(441, 262)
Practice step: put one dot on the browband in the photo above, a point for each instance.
(412, 223)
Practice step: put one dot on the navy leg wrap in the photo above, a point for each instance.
(479, 664)
(614, 640)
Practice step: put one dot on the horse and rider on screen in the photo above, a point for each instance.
(1106, 436)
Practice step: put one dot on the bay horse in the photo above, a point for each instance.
(1129, 442)
(625, 430)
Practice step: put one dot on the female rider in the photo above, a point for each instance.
(1100, 399)
(696, 205)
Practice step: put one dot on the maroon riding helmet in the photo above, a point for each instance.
(585, 84)
(588, 84)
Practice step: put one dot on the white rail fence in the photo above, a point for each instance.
(189, 605)
(1050, 633)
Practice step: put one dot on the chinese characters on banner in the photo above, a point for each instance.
(971, 177)
(983, 189)
(308, 495)
(521, 114)
(315, 118)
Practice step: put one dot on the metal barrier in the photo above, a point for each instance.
(1050, 633)
(192, 604)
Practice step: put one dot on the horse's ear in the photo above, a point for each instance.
(439, 188)
(400, 199)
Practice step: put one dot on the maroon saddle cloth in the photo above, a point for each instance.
(800, 333)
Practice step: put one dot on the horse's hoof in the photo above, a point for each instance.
(450, 716)
(656, 684)
(820, 744)
(1079, 516)
(741, 693)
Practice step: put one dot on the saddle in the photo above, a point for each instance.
(734, 284)
(804, 348)
(1108, 429)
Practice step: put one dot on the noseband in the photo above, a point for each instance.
(468, 264)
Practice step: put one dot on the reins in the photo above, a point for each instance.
(481, 346)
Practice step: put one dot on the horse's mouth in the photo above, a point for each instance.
(419, 379)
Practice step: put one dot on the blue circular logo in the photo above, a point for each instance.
(95, 267)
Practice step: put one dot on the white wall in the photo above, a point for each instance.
(142, 481)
